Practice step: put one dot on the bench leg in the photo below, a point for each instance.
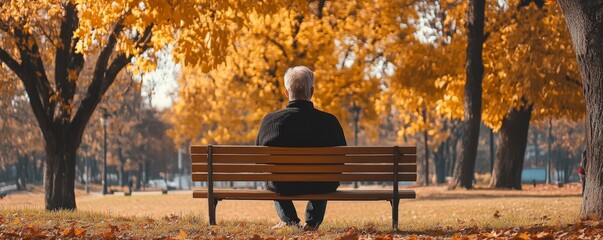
(211, 205)
(394, 203)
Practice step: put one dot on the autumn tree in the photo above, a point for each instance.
(117, 33)
(530, 69)
(585, 25)
(465, 165)
(339, 41)
(424, 64)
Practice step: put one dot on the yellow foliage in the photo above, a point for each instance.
(530, 61)
(200, 29)
(342, 47)
(426, 88)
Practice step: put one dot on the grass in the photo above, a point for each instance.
(435, 211)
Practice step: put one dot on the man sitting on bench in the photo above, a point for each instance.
(300, 125)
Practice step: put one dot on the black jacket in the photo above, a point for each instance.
(300, 125)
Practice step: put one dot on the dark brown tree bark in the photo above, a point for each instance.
(584, 19)
(20, 179)
(60, 174)
(61, 127)
(426, 144)
(512, 142)
(508, 165)
(440, 163)
(465, 166)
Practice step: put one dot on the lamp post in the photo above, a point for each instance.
(355, 110)
(87, 173)
(548, 162)
(104, 122)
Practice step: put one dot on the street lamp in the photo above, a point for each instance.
(103, 120)
(355, 110)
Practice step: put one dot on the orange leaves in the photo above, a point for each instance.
(182, 235)
(523, 62)
(73, 232)
(227, 104)
(351, 234)
(551, 2)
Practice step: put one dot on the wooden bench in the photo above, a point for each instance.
(258, 163)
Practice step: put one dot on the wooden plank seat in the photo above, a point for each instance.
(259, 163)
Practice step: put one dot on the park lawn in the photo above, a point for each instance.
(436, 212)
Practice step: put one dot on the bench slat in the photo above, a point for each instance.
(341, 195)
(239, 149)
(304, 177)
(301, 168)
(302, 159)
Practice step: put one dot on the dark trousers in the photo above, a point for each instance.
(315, 212)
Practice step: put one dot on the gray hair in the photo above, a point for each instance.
(299, 82)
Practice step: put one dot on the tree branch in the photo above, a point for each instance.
(32, 61)
(68, 64)
(11, 63)
(103, 77)
(573, 81)
(93, 94)
(121, 60)
(298, 20)
(280, 46)
(321, 5)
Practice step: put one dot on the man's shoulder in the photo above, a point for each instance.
(275, 116)
(277, 113)
(326, 115)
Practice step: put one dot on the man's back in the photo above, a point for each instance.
(300, 125)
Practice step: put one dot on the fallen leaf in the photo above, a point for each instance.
(545, 236)
(68, 232)
(383, 237)
(522, 235)
(80, 232)
(256, 237)
(351, 234)
(182, 235)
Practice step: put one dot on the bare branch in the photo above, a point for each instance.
(573, 81)
(280, 46)
(321, 5)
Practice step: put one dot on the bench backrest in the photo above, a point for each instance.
(259, 163)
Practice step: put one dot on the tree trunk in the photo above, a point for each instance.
(512, 142)
(536, 147)
(447, 158)
(440, 164)
(122, 161)
(585, 22)
(453, 156)
(59, 180)
(491, 150)
(426, 163)
(19, 173)
(34, 169)
(465, 166)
